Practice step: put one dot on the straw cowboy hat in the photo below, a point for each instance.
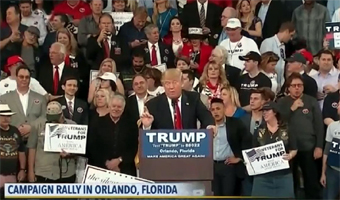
(5, 110)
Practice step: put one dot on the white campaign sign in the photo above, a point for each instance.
(65, 137)
(264, 159)
(120, 18)
(98, 175)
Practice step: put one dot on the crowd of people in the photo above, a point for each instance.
(253, 71)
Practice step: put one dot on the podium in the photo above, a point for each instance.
(177, 156)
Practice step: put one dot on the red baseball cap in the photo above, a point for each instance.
(308, 56)
(12, 61)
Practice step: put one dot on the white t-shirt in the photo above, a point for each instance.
(8, 85)
(240, 48)
(273, 78)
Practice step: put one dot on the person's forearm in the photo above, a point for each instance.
(293, 153)
(22, 160)
(324, 163)
(31, 159)
(4, 42)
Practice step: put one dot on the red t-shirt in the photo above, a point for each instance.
(79, 11)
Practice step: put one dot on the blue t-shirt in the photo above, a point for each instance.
(163, 21)
(239, 113)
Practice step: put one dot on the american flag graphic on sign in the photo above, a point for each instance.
(254, 154)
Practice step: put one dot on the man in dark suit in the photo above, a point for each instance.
(231, 138)
(50, 76)
(202, 13)
(136, 102)
(176, 108)
(106, 45)
(73, 108)
(272, 14)
(156, 52)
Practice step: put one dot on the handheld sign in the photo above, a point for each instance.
(175, 144)
(333, 34)
(70, 138)
(264, 159)
(121, 18)
(333, 158)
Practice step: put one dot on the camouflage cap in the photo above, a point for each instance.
(54, 108)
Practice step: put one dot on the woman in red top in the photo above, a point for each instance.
(175, 38)
(197, 50)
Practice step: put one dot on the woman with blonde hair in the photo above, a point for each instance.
(220, 55)
(107, 65)
(231, 101)
(212, 80)
(100, 101)
(267, 66)
(250, 23)
(75, 58)
(162, 15)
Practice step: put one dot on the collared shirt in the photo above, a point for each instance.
(172, 111)
(60, 69)
(273, 44)
(24, 100)
(37, 21)
(108, 40)
(222, 149)
(199, 6)
(141, 103)
(158, 53)
(263, 11)
(331, 79)
(87, 25)
(9, 84)
(68, 101)
(223, 36)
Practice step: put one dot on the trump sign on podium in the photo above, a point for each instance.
(70, 138)
(264, 159)
(333, 158)
(175, 144)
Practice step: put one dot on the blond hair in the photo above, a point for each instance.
(234, 97)
(172, 73)
(155, 10)
(268, 57)
(132, 5)
(113, 63)
(106, 94)
(73, 46)
(221, 79)
(239, 14)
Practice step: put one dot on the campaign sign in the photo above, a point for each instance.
(264, 159)
(333, 158)
(175, 144)
(120, 18)
(70, 138)
(333, 34)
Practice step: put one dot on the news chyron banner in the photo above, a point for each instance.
(70, 138)
(264, 159)
(333, 158)
(333, 34)
(175, 144)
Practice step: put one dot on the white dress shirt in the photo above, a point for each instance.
(24, 101)
(60, 69)
(199, 6)
(158, 53)
(141, 104)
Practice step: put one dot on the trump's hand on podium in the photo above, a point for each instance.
(146, 118)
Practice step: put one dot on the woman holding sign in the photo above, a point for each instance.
(277, 184)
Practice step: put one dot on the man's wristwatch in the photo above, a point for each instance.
(21, 169)
(120, 159)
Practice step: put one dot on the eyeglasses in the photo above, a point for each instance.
(24, 77)
(296, 85)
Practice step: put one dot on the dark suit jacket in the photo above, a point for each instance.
(132, 107)
(167, 54)
(80, 110)
(233, 74)
(190, 17)
(96, 53)
(276, 15)
(192, 109)
(239, 138)
(45, 77)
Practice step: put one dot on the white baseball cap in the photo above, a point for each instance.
(108, 76)
(233, 23)
(5, 110)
